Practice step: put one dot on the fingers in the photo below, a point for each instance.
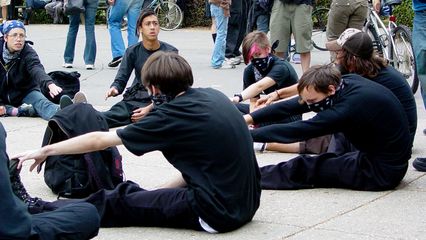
(111, 93)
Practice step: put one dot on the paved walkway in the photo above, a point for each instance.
(302, 214)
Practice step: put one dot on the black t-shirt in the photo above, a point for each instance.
(376, 124)
(280, 71)
(394, 81)
(134, 59)
(204, 137)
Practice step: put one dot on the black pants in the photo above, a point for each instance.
(351, 170)
(237, 27)
(343, 166)
(76, 221)
(129, 205)
(121, 112)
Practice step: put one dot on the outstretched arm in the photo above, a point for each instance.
(89, 142)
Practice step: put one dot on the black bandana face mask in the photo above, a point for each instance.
(160, 99)
(321, 105)
(261, 64)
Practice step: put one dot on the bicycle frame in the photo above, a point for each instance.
(384, 34)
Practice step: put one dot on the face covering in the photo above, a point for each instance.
(160, 99)
(262, 64)
(321, 105)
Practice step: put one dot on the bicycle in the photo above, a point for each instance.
(393, 42)
(169, 14)
(319, 27)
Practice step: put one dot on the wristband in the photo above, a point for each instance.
(278, 95)
(240, 97)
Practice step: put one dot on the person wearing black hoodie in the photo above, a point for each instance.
(75, 221)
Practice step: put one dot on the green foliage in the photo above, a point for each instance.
(404, 13)
(194, 15)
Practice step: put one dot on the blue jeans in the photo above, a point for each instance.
(35, 4)
(43, 107)
(221, 30)
(262, 23)
(122, 7)
(419, 45)
(89, 24)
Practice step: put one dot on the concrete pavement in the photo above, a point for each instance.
(301, 214)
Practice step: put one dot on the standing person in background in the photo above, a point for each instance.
(4, 5)
(119, 8)
(91, 7)
(259, 15)
(55, 10)
(220, 13)
(237, 29)
(345, 14)
(30, 5)
(292, 17)
(419, 45)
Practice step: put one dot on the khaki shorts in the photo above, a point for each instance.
(291, 18)
(4, 2)
(345, 14)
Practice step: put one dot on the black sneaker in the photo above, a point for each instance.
(420, 164)
(115, 62)
(26, 110)
(65, 101)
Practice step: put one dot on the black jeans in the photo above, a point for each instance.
(237, 27)
(130, 205)
(78, 221)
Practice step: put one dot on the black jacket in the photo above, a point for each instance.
(15, 222)
(21, 76)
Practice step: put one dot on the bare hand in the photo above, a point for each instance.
(112, 92)
(54, 90)
(37, 155)
(267, 100)
(2, 110)
(139, 113)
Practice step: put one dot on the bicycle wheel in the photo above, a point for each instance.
(169, 15)
(319, 23)
(402, 57)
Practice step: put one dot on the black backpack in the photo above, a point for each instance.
(68, 81)
(78, 175)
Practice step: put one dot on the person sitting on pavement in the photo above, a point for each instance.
(265, 73)
(23, 76)
(218, 189)
(375, 124)
(76, 221)
(136, 102)
(355, 54)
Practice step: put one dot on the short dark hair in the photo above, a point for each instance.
(320, 77)
(146, 12)
(167, 71)
(367, 67)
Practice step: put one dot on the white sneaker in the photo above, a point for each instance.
(67, 65)
(226, 65)
(90, 66)
(234, 60)
(295, 58)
